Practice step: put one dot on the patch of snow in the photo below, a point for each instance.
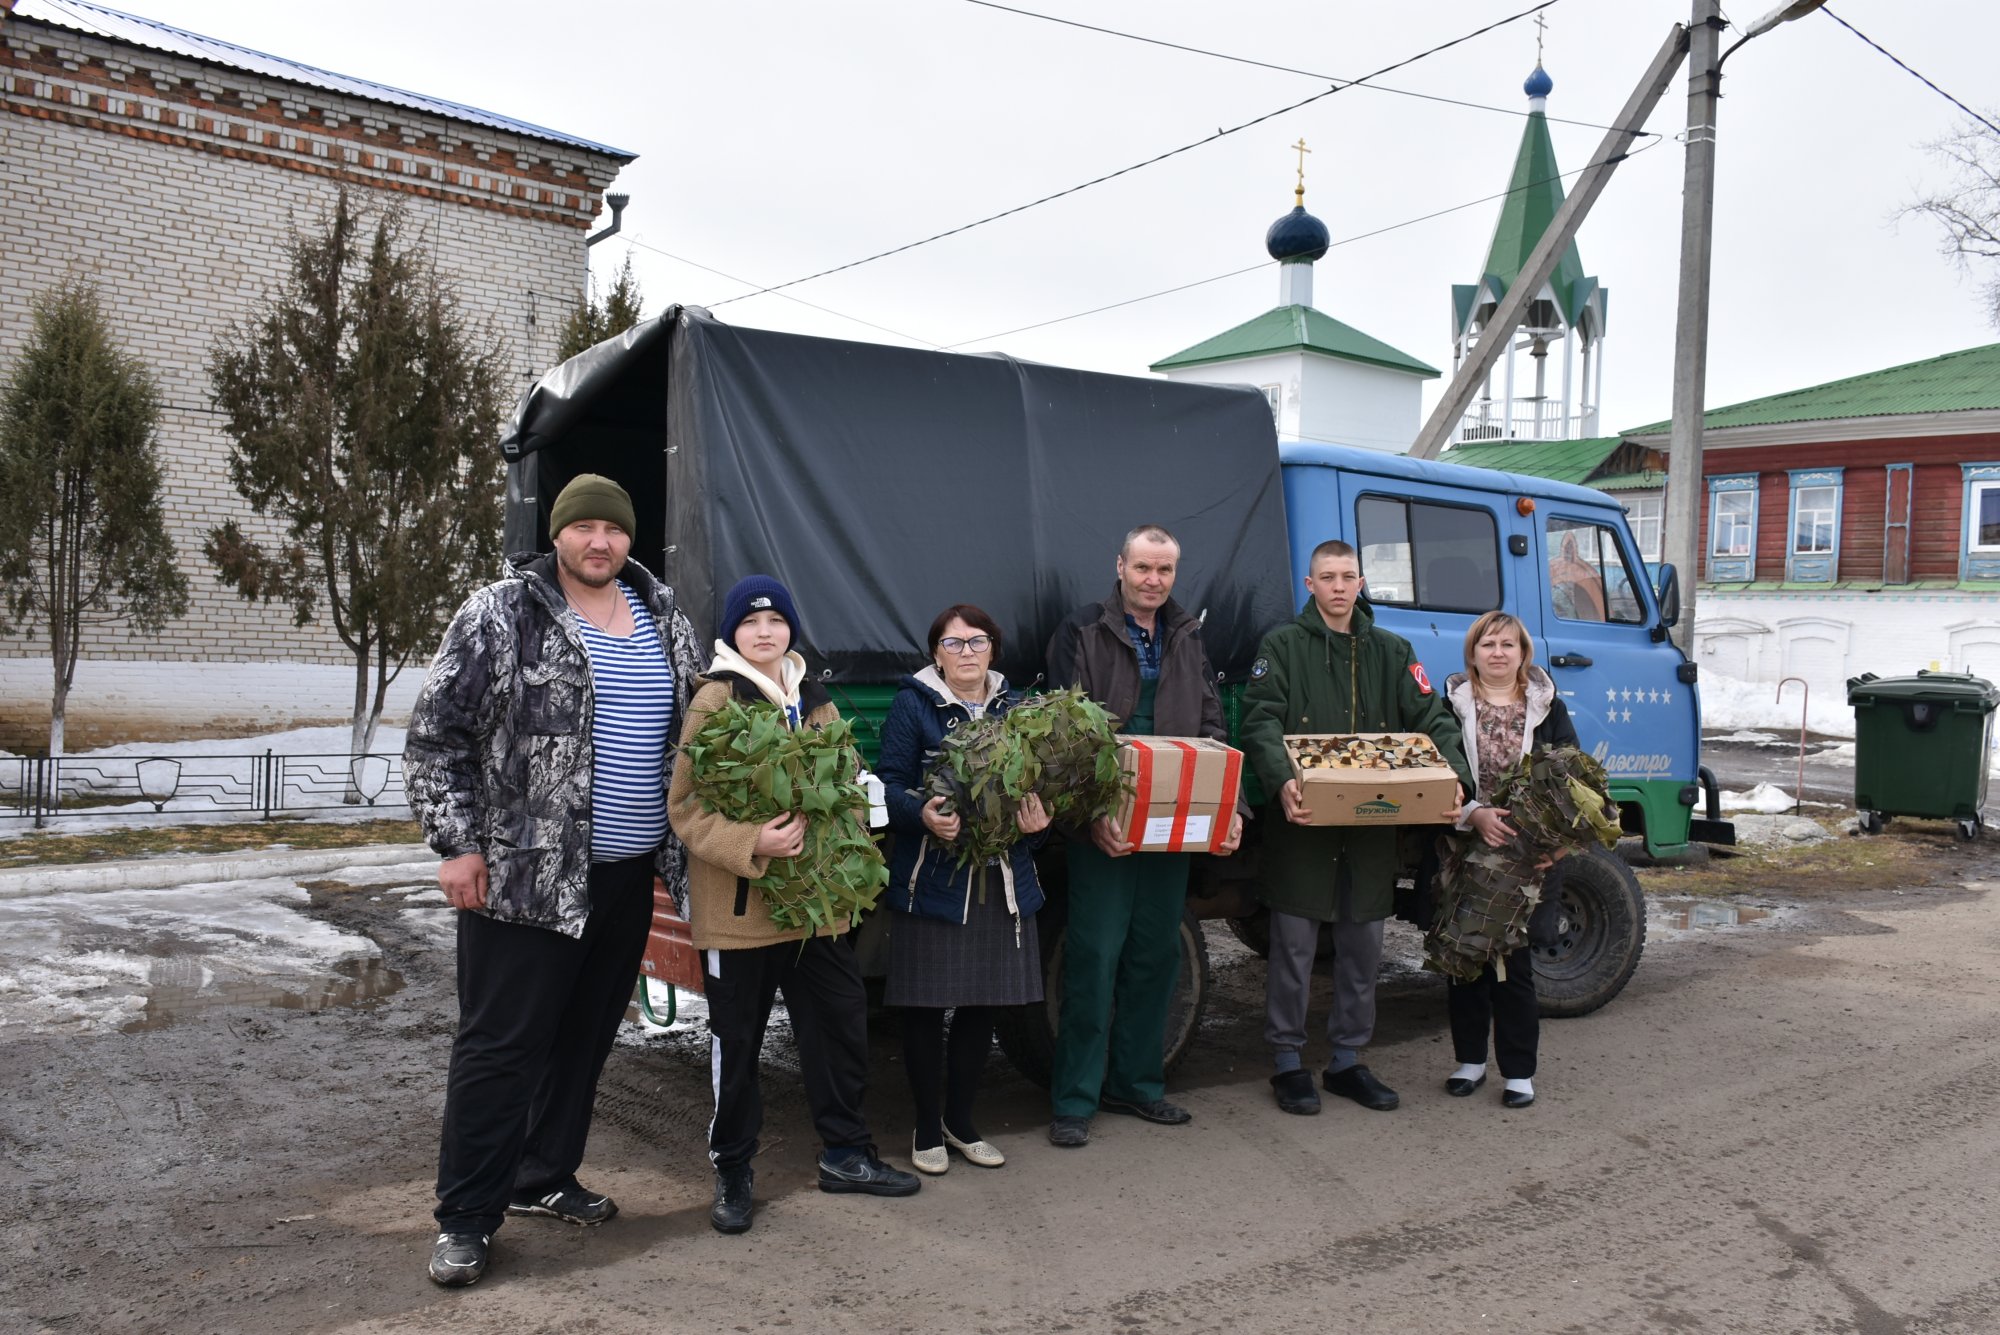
(1727, 702)
(1767, 831)
(1765, 797)
(1748, 737)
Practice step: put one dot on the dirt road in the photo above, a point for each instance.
(1785, 1126)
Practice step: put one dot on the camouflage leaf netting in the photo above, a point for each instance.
(1558, 801)
(1060, 746)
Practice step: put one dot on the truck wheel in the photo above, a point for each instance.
(1603, 932)
(1027, 1034)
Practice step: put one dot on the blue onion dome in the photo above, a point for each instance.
(1539, 83)
(1297, 236)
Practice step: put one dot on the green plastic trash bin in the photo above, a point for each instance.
(1922, 745)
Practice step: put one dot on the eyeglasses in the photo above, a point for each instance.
(978, 644)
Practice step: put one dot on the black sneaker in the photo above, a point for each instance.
(572, 1205)
(1157, 1111)
(459, 1259)
(867, 1175)
(733, 1204)
(1295, 1092)
(1359, 1083)
(1069, 1132)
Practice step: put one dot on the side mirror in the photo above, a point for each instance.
(1670, 595)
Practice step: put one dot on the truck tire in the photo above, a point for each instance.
(1602, 934)
(1027, 1034)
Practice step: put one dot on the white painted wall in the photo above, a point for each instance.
(1828, 637)
(1326, 399)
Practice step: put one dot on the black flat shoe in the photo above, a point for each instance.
(1359, 1083)
(1157, 1111)
(1514, 1098)
(1295, 1093)
(1459, 1089)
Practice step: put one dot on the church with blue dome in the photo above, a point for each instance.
(1325, 380)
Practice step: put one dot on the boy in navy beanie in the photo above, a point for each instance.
(757, 593)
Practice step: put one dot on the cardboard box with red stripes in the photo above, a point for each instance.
(1183, 793)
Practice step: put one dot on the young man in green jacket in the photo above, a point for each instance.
(1332, 670)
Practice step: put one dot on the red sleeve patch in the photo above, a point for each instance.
(1423, 682)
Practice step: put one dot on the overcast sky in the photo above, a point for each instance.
(782, 137)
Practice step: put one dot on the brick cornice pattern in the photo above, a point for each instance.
(54, 74)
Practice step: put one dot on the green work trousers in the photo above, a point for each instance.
(1121, 958)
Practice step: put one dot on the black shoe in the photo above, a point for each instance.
(733, 1206)
(1295, 1092)
(1514, 1098)
(1158, 1111)
(1069, 1132)
(1459, 1089)
(1359, 1083)
(572, 1205)
(459, 1259)
(868, 1176)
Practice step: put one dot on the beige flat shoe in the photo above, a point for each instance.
(978, 1152)
(935, 1162)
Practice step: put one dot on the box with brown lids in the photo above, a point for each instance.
(1182, 793)
(1377, 778)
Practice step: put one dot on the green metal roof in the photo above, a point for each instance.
(1956, 382)
(1534, 193)
(1286, 328)
(1649, 481)
(1557, 460)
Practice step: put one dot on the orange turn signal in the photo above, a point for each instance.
(1524, 505)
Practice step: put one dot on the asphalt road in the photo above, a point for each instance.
(1786, 1126)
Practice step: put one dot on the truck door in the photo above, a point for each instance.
(1431, 556)
(1624, 688)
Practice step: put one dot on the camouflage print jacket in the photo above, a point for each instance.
(498, 758)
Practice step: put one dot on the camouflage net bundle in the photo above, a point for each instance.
(1060, 746)
(1558, 800)
(746, 765)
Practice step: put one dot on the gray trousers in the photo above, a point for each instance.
(1288, 982)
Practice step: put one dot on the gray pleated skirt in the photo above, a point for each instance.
(938, 964)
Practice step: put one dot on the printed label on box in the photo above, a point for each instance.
(1198, 829)
(1159, 829)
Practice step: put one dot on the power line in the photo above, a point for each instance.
(1912, 73)
(1282, 69)
(682, 259)
(1162, 157)
(1331, 245)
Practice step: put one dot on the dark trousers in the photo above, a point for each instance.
(944, 1073)
(537, 1012)
(1121, 958)
(1508, 1008)
(829, 1011)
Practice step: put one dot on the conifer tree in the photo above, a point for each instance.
(594, 321)
(364, 414)
(82, 538)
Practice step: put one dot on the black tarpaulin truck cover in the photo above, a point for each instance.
(884, 484)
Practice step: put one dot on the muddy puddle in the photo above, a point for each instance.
(1682, 914)
(182, 987)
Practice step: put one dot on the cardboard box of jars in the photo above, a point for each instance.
(1381, 778)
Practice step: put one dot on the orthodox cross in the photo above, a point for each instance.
(1541, 26)
(1300, 189)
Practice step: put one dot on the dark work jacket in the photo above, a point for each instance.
(925, 876)
(1091, 650)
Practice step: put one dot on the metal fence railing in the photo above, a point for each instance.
(263, 786)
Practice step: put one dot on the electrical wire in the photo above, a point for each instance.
(1157, 158)
(1912, 73)
(1331, 245)
(1282, 69)
(828, 310)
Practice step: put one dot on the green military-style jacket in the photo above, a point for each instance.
(1310, 679)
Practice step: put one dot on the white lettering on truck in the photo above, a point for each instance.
(1637, 762)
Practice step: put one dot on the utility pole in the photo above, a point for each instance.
(1499, 329)
(1681, 538)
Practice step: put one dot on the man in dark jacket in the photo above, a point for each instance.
(1331, 671)
(538, 762)
(1140, 656)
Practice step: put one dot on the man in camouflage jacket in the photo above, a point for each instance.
(538, 761)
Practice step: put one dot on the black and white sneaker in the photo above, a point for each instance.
(572, 1205)
(867, 1175)
(459, 1259)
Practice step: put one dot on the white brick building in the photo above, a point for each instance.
(172, 169)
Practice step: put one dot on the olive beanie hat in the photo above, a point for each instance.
(591, 496)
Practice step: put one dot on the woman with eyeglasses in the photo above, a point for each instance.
(963, 938)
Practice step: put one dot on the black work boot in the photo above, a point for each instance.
(732, 1208)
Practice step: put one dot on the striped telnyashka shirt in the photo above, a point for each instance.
(634, 688)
